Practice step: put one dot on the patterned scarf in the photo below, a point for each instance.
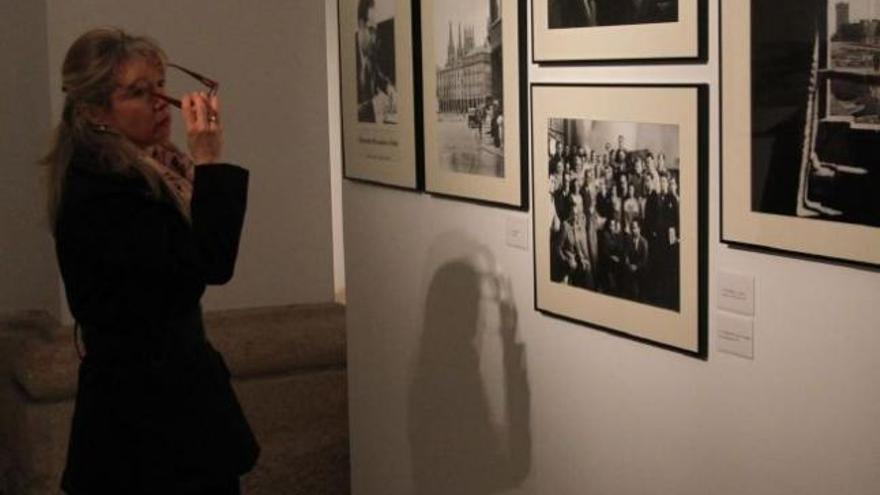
(177, 172)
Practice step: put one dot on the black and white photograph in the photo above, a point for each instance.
(374, 55)
(474, 71)
(816, 128)
(470, 87)
(378, 56)
(620, 186)
(842, 170)
(601, 31)
(593, 13)
(800, 171)
(854, 62)
(613, 189)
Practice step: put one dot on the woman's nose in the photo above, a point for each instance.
(159, 103)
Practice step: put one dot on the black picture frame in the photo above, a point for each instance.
(672, 310)
(376, 150)
(776, 145)
(655, 39)
(464, 160)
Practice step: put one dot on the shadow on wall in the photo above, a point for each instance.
(469, 401)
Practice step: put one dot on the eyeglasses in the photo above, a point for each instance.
(212, 85)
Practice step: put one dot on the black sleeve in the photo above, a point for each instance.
(126, 256)
(218, 206)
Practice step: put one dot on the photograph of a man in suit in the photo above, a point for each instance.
(592, 13)
(374, 56)
(571, 13)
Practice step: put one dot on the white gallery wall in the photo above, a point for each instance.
(458, 385)
(270, 60)
(28, 277)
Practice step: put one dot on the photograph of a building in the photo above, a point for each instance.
(470, 91)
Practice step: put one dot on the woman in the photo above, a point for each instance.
(632, 208)
(140, 229)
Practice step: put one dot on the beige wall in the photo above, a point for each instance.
(439, 403)
(27, 258)
(270, 58)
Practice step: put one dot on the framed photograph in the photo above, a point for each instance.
(801, 128)
(620, 209)
(619, 30)
(379, 103)
(475, 124)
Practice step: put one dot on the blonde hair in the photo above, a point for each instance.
(88, 80)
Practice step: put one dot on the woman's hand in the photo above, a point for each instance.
(204, 134)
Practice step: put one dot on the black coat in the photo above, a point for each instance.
(155, 412)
